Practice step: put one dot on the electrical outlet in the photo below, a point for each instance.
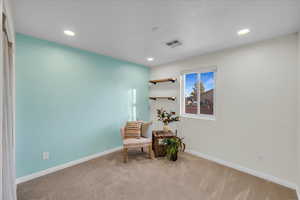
(45, 155)
(260, 158)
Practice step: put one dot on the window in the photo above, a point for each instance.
(198, 93)
(132, 104)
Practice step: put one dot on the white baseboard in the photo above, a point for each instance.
(247, 170)
(63, 166)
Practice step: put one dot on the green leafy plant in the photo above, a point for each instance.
(173, 146)
(166, 117)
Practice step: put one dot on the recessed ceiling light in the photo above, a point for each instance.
(155, 28)
(69, 33)
(150, 59)
(243, 31)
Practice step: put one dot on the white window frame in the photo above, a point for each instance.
(182, 93)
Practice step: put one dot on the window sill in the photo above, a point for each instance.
(204, 117)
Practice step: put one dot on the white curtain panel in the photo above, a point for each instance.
(7, 121)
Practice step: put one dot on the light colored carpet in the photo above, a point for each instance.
(189, 178)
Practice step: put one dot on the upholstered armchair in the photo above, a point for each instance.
(134, 136)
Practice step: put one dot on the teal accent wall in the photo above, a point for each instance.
(71, 103)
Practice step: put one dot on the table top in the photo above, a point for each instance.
(161, 133)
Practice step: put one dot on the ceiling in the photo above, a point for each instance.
(134, 30)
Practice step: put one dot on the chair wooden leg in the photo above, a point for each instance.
(125, 154)
(150, 152)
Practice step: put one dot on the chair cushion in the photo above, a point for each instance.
(133, 129)
(146, 129)
(137, 142)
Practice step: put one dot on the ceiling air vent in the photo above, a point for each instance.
(173, 43)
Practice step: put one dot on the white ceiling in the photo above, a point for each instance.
(123, 28)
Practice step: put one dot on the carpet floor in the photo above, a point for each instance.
(189, 178)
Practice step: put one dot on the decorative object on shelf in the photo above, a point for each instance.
(166, 118)
(169, 98)
(163, 80)
(173, 146)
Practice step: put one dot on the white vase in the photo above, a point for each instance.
(166, 128)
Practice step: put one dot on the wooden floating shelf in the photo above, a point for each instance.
(168, 98)
(163, 80)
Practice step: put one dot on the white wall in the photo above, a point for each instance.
(8, 10)
(5, 6)
(298, 118)
(256, 119)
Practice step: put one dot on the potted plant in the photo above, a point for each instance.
(166, 118)
(173, 146)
